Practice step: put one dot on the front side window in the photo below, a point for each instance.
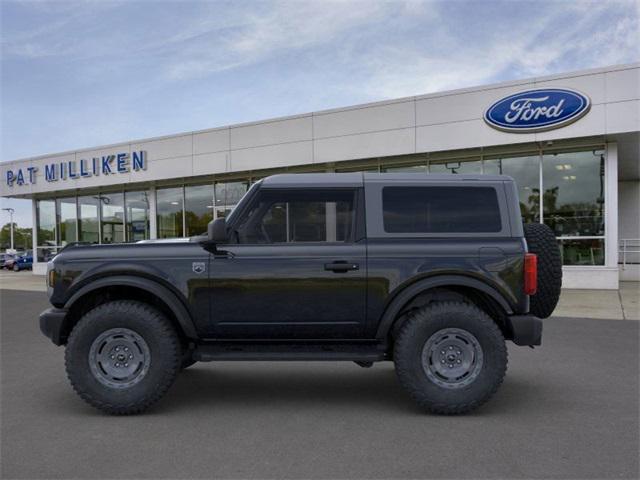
(440, 210)
(299, 217)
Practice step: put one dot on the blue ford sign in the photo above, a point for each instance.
(537, 110)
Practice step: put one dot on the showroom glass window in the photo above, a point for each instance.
(526, 172)
(227, 195)
(88, 222)
(170, 212)
(455, 166)
(46, 229)
(573, 204)
(198, 208)
(67, 220)
(112, 217)
(136, 216)
(422, 168)
(299, 217)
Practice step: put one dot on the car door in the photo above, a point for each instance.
(295, 269)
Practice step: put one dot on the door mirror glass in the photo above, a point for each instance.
(217, 231)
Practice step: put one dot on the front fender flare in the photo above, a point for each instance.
(401, 299)
(169, 298)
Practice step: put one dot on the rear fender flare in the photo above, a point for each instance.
(404, 296)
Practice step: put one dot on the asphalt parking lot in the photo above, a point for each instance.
(569, 409)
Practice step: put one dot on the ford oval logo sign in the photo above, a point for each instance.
(537, 110)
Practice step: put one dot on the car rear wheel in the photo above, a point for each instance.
(450, 356)
(16, 268)
(122, 357)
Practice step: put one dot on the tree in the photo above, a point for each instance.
(22, 237)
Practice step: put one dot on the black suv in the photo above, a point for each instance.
(432, 272)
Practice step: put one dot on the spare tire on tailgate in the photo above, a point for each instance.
(542, 242)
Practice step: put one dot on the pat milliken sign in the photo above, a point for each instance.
(117, 163)
(537, 110)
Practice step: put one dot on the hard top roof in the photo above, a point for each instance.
(357, 179)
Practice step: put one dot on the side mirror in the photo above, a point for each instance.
(217, 231)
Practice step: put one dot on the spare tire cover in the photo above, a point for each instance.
(542, 242)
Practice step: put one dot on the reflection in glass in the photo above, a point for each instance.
(582, 252)
(88, 219)
(526, 172)
(227, 195)
(573, 200)
(112, 217)
(67, 220)
(46, 222)
(198, 208)
(453, 166)
(406, 169)
(137, 215)
(169, 216)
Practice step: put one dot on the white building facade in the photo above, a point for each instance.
(577, 169)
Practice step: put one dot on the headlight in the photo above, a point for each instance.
(51, 277)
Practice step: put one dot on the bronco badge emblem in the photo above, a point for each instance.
(198, 267)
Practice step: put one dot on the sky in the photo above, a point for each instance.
(88, 73)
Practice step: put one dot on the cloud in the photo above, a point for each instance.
(523, 48)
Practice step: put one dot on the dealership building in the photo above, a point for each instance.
(571, 142)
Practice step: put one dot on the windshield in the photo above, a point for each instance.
(243, 200)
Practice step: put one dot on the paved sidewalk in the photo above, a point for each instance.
(607, 304)
(23, 280)
(620, 304)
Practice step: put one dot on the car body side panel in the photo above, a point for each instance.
(180, 267)
(394, 264)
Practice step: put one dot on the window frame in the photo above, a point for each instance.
(354, 233)
(375, 218)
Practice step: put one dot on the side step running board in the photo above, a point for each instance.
(226, 351)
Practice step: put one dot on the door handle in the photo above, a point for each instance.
(341, 266)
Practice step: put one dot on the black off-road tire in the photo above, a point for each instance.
(415, 336)
(542, 241)
(156, 332)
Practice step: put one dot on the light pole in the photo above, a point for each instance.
(11, 212)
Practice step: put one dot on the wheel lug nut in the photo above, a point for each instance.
(126, 364)
(442, 352)
(130, 357)
(117, 365)
(442, 361)
(450, 348)
(458, 361)
(113, 357)
(126, 349)
(450, 365)
(117, 349)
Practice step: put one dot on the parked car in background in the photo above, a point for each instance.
(6, 257)
(23, 262)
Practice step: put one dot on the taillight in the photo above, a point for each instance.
(530, 273)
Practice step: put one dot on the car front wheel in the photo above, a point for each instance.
(123, 356)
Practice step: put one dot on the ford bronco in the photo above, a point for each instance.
(432, 272)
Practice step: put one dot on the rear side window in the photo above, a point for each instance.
(440, 210)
